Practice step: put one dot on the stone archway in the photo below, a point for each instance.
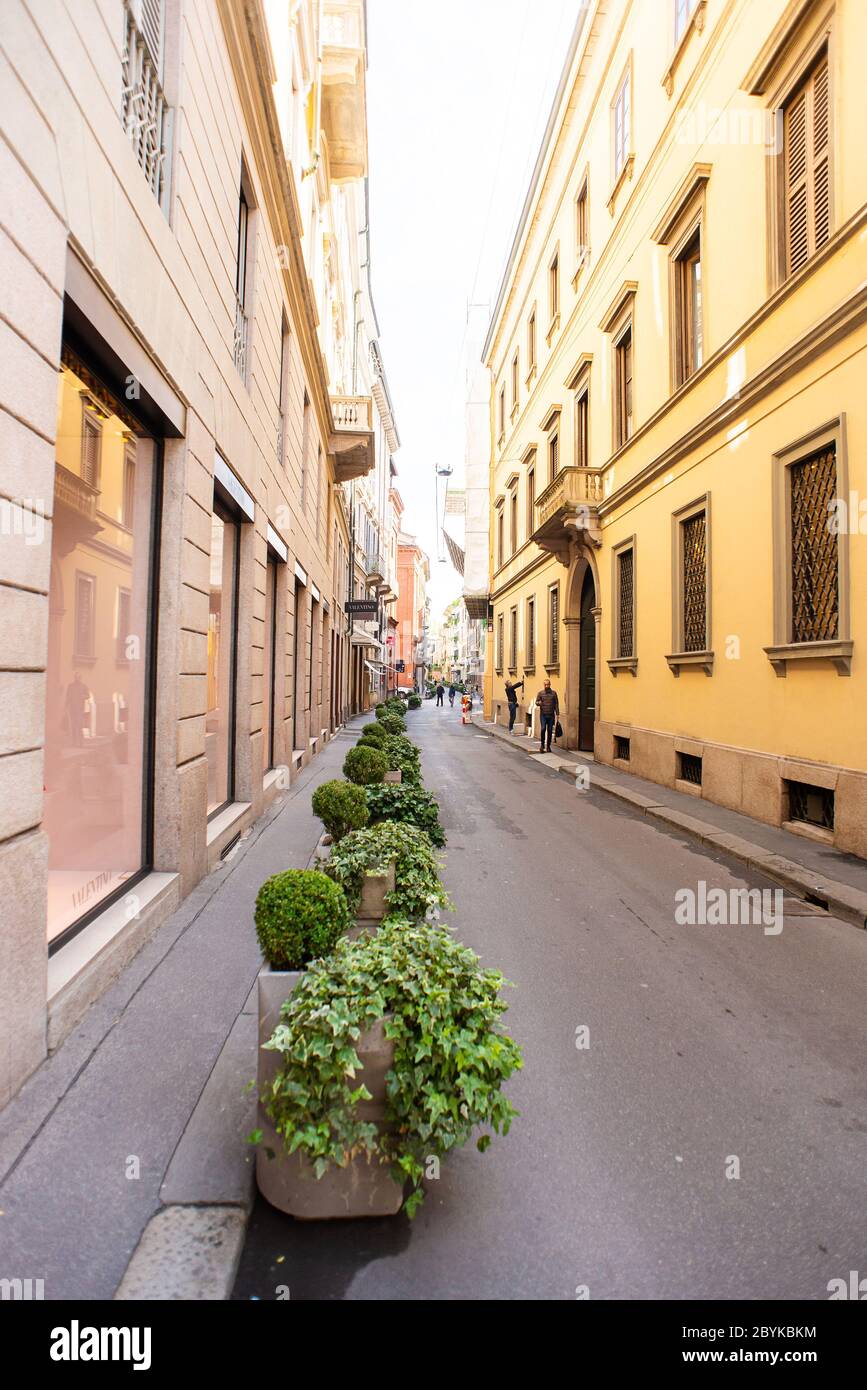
(582, 574)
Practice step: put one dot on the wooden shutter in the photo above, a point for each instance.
(807, 154)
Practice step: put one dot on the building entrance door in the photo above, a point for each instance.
(587, 677)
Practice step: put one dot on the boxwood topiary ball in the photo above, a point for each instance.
(299, 917)
(364, 764)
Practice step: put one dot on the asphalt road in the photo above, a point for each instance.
(706, 1043)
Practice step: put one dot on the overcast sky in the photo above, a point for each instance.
(459, 93)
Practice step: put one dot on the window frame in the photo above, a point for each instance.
(554, 294)
(513, 640)
(499, 642)
(532, 344)
(678, 658)
(530, 634)
(623, 169)
(516, 376)
(582, 225)
(623, 420)
(617, 660)
(837, 650)
(531, 493)
(553, 653)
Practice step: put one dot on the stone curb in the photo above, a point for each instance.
(188, 1253)
(843, 901)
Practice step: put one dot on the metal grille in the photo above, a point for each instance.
(813, 805)
(554, 627)
(815, 613)
(531, 632)
(695, 583)
(144, 111)
(626, 616)
(621, 748)
(690, 768)
(239, 341)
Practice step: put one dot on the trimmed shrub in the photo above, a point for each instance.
(409, 804)
(402, 756)
(417, 882)
(414, 702)
(373, 733)
(364, 764)
(393, 723)
(341, 806)
(379, 711)
(300, 915)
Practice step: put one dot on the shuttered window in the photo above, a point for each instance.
(500, 642)
(531, 632)
(554, 625)
(513, 639)
(91, 440)
(807, 165)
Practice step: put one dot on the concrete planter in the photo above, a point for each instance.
(372, 906)
(287, 1181)
(394, 778)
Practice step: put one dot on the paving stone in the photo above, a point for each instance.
(186, 1253)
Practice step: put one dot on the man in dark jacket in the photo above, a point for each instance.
(441, 690)
(512, 689)
(549, 711)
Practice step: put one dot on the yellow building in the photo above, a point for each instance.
(679, 414)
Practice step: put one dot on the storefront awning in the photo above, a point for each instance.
(364, 639)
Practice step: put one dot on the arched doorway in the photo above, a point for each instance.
(587, 669)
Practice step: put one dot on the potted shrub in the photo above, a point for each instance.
(414, 702)
(403, 757)
(417, 887)
(364, 764)
(393, 723)
(406, 803)
(373, 733)
(341, 806)
(368, 1082)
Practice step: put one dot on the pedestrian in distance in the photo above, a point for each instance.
(512, 688)
(452, 693)
(549, 711)
(441, 690)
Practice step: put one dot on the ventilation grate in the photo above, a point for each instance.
(690, 768)
(811, 805)
(621, 748)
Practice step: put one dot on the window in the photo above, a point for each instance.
(694, 561)
(239, 339)
(299, 612)
(689, 346)
(513, 640)
(621, 748)
(810, 805)
(500, 642)
(501, 553)
(85, 617)
(145, 113)
(553, 455)
(582, 427)
(811, 551)
(582, 227)
(682, 12)
(222, 634)
(626, 602)
(554, 625)
(502, 415)
(807, 167)
(128, 504)
(305, 451)
(91, 447)
(531, 344)
(531, 501)
(554, 289)
(531, 634)
(515, 382)
(622, 125)
(623, 419)
(689, 768)
(814, 574)
(283, 390)
(513, 520)
(100, 674)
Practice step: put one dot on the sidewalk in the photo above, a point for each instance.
(136, 1123)
(835, 880)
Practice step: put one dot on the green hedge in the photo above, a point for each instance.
(341, 806)
(364, 764)
(300, 915)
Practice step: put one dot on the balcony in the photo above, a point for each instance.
(569, 508)
(344, 102)
(352, 439)
(145, 113)
(374, 568)
(239, 341)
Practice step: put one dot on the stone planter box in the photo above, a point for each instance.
(372, 906)
(287, 1181)
(394, 778)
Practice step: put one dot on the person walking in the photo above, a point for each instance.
(452, 693)
(549, 711)
(441, 690)
(512, 688)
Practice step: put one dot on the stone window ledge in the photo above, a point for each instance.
(555, 324)
(623, 663)
(695, 22)
(838, 652)
(677, 661)
(625, 173)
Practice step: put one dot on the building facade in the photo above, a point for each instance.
(413, 610)
(677, 415)
(183, 421)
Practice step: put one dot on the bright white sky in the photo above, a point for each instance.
(458, 95)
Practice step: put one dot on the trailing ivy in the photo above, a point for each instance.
(403, 757)
(442, 1013)
(406, 803)
(417, 889)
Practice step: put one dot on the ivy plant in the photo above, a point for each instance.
(403, 757)
(442, 1013)
(406, 803)
(417, 891)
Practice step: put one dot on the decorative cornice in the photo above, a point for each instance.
(695, 180)
(626, 292)
(774, 48)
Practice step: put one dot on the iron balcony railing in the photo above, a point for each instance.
(239, 340)
(145, 113)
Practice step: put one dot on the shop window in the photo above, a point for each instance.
(269, 663)
(99, 670)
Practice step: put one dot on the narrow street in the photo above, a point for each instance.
(706, 1043)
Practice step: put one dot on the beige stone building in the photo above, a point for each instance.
(678, 419)
(187, 402)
